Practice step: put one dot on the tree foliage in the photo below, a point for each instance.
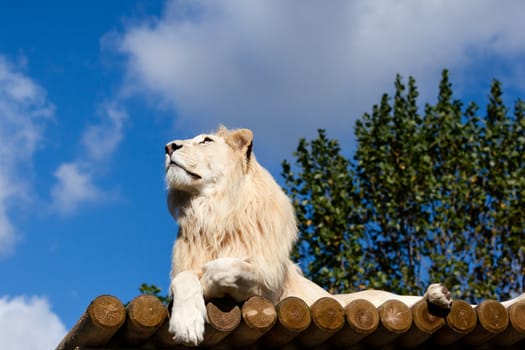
(432, 194)
(152, 289)
(323, 199)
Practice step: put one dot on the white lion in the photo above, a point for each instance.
(236, 230)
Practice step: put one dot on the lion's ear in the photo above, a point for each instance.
(243, 140)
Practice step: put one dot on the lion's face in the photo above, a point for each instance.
(201, 164)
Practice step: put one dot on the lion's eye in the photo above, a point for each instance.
(206, 140)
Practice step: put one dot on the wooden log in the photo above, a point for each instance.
(224, 315)
(516, 330)
(362, 319)
(427, 319)
(493, 319)
(460, 321)
(328, 317)
(396, 319)
(163, 338)
(293, 317)
(146, 314)
(258, 317)
(95, 328)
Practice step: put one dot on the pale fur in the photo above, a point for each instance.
(236, 231)
(246, 216)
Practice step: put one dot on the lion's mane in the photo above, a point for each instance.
(248, 216)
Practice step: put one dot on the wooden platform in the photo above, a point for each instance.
(258, 324)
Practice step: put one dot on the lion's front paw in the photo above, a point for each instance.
(233, 276)
(187, 322)
(222, 272)
(439, 295)
(188, 314)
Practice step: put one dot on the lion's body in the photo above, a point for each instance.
(247, 217)
(236, 231)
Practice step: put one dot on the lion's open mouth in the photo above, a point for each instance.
(196, 176)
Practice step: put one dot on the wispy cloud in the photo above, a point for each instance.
(74, 186)
(101, 140)
(76, 180)
(302, 65)
(24, 112)
(21, 315)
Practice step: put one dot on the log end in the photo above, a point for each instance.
(224, 315)
(328, 314)
(293, 314)
(517, 316)
(425, 319)
(107, 312)
(462, 318)
(362, 316)
(146, 311)
(102, 319)
(259, 313)
(395, 316)
(493, 316)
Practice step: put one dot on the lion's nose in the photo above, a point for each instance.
(171, 147)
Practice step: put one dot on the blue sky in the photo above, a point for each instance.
(91, 91)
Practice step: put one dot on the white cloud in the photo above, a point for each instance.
(29, 323)
(24, 111)
(75, 181)
(286, 68)
(101, 140)
(74, 186)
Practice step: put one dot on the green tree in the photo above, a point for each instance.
(152, 289)
(432, 196)
(323, 196)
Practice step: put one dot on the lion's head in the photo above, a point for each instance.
(207, 163)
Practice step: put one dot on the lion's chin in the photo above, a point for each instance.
(181, 180)
(175, 165)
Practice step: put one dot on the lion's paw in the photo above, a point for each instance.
(439, 295)
(221, 273)
(233, 276)
(187, 323)
(188, 314)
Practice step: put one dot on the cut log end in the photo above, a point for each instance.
(107, 312)
(146, 311)
(293, 317)
(362, 319)
(146, 314)
(517, 316)
(259, 312)
(395, 316)
(425, 318)
(462, 318)
(515, 332)
(493, 316)
(224, 315)
(362, 316)
(258, 317)
(327, 318)
(328, 315)
(293, 314)
(102, 319)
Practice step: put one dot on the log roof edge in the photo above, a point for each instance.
(143, 324)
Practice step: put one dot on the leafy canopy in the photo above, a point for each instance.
(431, 194)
